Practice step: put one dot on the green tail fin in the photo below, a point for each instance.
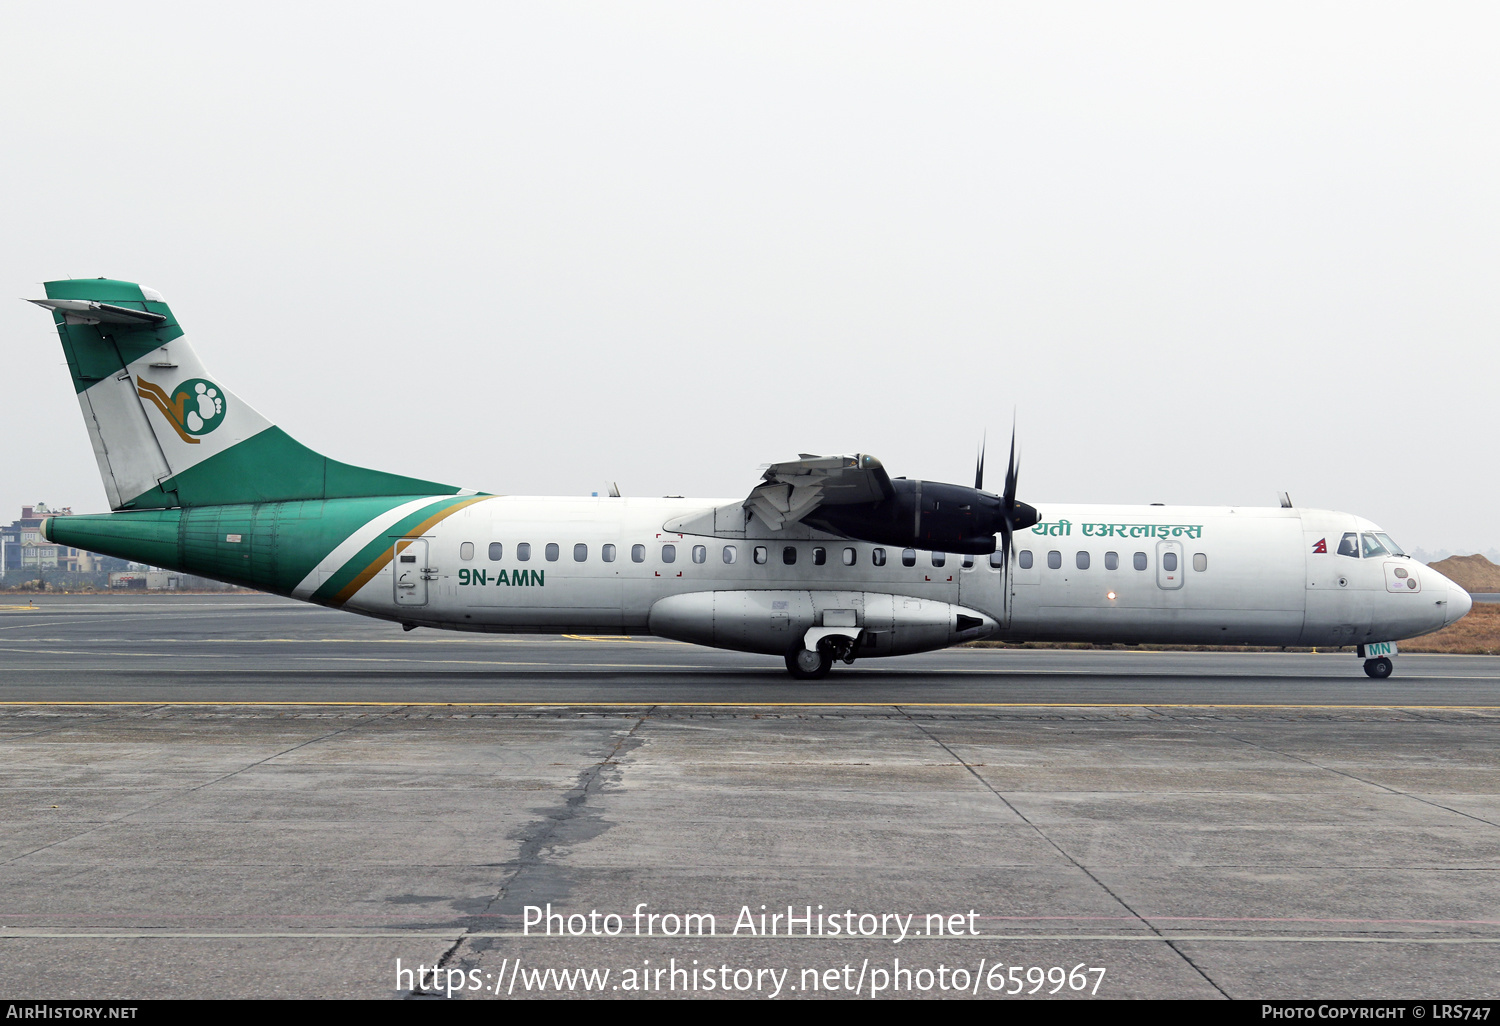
(165, 433)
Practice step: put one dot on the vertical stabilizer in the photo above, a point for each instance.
(165, 432)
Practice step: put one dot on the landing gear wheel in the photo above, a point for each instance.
(1380, 668)
(805, 665)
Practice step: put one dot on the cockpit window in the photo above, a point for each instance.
(1349, 546)
(1373, 546)
(1390, 546)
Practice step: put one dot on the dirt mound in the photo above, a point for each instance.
(1472, 573)
(1476, 634)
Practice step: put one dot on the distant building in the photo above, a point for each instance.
(149, 580)
(23, 548)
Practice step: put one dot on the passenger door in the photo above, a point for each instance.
(411, 571)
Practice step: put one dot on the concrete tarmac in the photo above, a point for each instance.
(215, 796)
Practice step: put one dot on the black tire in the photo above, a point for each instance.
(1380, 668)
(805, 665)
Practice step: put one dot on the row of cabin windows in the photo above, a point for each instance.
(552, 552)
(761, 554)
(1112, 560)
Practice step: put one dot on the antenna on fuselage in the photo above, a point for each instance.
(1286, 500)
(614, 490)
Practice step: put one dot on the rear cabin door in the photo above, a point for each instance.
(412, 572)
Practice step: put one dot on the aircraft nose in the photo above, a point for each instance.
(1459, 604)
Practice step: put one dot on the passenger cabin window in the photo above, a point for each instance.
(1083, 560)
(466, 551)
(1025, 559)
(789, 554)
(1054, 560)
(637, 553)
(820, 555)
(580, 553)
(700, 553)
(908, 557)
(997, 559)
(850, 556)
(1373, 546)
(1139, 561)
(523, 551)
(1349, 545)
(496, 551)
(1169, 561)
(730, 553)
(761, 554)
(939, 558)
(1111, 561)
(877, 557)
(968, 562)
(1200, 561)
(669, 553)
(607, 552)
(552, 552)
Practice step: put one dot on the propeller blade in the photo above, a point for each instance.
(1009, 508)
(1012, 472)
(979, 467)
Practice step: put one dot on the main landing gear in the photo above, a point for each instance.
(1380, 668)
(806, 664)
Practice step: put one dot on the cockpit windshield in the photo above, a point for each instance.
(1373, 546)
(1390, 546)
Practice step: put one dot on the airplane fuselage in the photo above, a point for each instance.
(508, 564)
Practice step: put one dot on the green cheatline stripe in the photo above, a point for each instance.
(373, 557)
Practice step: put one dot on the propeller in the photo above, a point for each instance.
(979, 467)
(1008, 500)
(1014, 516)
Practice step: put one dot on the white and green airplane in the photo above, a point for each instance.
(825, 559)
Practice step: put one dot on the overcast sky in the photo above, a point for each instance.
(1206, 252)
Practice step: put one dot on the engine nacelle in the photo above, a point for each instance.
(771, 622)
(925, 515)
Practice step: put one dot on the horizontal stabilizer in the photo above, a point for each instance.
(86, 311)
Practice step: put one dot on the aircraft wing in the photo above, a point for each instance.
(790, 491)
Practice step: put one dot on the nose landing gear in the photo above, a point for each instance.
(1379, 668)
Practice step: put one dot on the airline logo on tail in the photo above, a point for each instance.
(195, 407)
